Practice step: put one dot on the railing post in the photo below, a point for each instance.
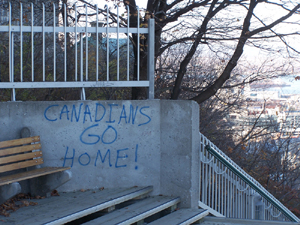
(151, 49)
(11, 54)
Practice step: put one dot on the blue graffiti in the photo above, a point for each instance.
(149, 119)
(87, 111)
(45, 113)
(75, 114)
(88, 157)
(64, 111)
(136, 155)
(110, 112)
(71, 158)
(108, 136)
(115, 114)
(104, 111)
(123, 115)
(132, 114)
(121, 158)
(103, 159)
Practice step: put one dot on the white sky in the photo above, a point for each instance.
(140, 3)
(253, 54)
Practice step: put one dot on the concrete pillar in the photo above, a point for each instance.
(180, 142)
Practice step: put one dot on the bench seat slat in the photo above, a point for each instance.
(21, 165)
(30, 174)
(21, 141)
(20, 157)
(20, 149)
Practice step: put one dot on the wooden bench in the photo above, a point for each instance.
(23, 153)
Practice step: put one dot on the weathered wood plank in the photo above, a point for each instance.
(21, 157)
(21, 165)
(20, 149)
(30, 174)
(21, 141)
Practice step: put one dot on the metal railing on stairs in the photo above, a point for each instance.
(39, 53)
(227, 190)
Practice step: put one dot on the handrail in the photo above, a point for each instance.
(224, 159)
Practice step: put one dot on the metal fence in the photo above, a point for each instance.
(52, 52)
(227, 190)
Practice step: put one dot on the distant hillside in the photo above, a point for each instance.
(269, 84)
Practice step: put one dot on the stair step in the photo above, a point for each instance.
(71, 206)
(181, 217)
(137, 211)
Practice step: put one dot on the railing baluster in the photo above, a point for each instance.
(128, 24)
(21, 42)
(86, 46)
(107, 42)
(118, 44)
(138, 43)
(225, 194)
(213, 185)
(10, 43)
(32, 43)
(236, 198)
(221, 200)
(44, 47)
(13, 57)
(209, 183)
(97, 44)
(65, 42)
(54, 44)
(81, 56)
(206, 183)
(203, 179)
(76, 45)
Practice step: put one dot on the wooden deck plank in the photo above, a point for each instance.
(68, 206)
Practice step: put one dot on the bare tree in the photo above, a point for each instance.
(212, 23)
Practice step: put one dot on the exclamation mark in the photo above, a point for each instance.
(136, 149)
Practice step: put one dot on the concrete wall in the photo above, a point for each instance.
(115, 143)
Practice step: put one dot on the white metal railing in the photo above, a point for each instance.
(81, 32)
(227, 190)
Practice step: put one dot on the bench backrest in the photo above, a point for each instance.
(20, 153)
